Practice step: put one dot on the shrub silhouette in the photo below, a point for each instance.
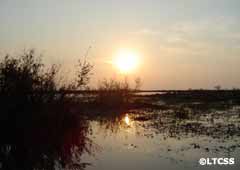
(112, 93)
(37, 125)
(23, 80)
(83, 73)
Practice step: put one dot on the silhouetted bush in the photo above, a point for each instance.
(25, 80)
(112, 93)
(37, 125)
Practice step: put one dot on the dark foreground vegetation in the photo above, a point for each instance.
(44, 122)
(37, 126)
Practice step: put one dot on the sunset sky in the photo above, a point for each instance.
(180, 44)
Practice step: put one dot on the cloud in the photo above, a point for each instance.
(217, 31)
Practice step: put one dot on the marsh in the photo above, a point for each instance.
(119, 84)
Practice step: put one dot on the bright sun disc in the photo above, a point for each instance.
(126, 61)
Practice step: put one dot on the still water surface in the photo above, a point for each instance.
(165, 139)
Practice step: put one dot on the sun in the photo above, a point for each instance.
(126, 61)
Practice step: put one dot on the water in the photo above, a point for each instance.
(174, 138)
(167, 136)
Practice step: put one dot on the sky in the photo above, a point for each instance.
(181, 44)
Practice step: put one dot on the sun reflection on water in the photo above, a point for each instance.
(127, 120)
